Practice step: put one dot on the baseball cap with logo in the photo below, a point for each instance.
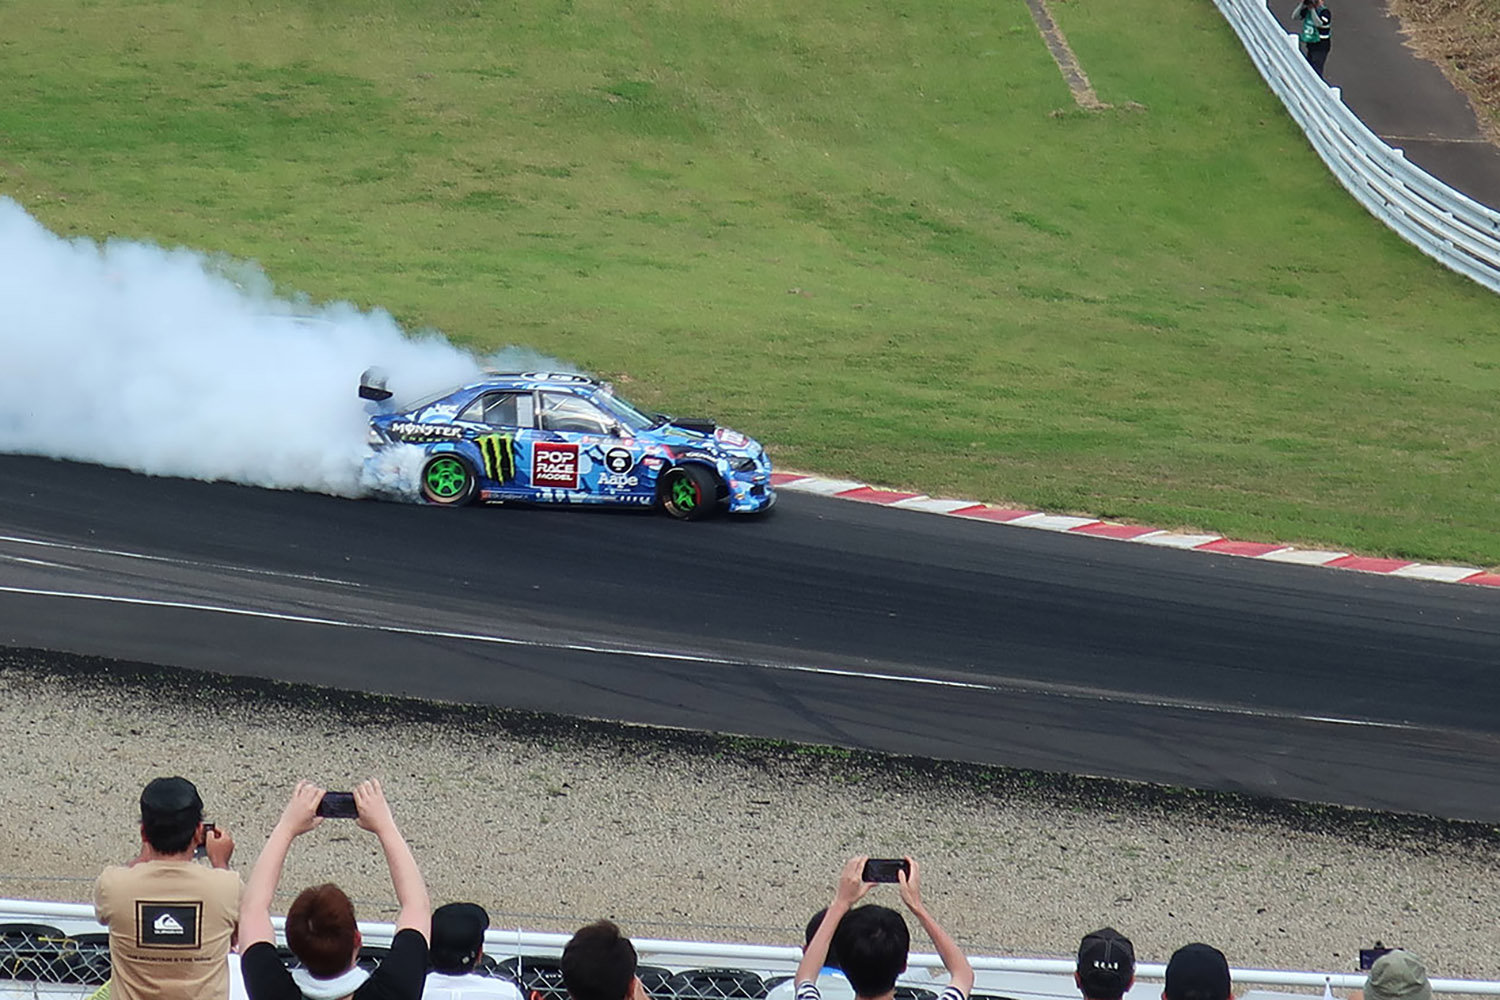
(1197, 972)
(457, 936)
(1106, 964)
(1398, 975)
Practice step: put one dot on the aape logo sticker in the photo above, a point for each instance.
(168, 925)
(618, 460)
(555, 465)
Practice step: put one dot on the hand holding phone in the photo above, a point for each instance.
(201, 851)
(885, 869)
(338, 805)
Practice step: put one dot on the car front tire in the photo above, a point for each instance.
(688, 492)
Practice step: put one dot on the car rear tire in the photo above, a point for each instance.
(448, 481)
(688, 492)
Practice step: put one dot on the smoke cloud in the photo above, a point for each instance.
(174, 363)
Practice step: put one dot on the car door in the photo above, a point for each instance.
(501, 423)
(582, 449)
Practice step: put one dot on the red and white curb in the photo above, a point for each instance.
(844, 489)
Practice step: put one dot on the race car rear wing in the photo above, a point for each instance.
(372, 385)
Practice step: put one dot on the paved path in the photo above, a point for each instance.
(1405, 99)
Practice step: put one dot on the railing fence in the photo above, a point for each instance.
(1443, 223)
(60, 945)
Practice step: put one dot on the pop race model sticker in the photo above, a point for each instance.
(554, 465)
(499, 453)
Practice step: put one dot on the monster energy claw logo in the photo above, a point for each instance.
(499, 451)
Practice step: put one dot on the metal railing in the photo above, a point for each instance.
(58, 950)
(1443, 223)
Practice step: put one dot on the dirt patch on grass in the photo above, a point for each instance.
(1463, 37)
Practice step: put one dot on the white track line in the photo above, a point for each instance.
(679, 657)
(71, 547)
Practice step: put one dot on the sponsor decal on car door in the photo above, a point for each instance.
(554, 464)
(615, 471)
(499, 454)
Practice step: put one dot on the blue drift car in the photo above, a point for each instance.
(543, 437)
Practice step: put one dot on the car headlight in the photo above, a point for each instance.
(746, 464)
(375, 439)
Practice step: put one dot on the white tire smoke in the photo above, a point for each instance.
(172, 363)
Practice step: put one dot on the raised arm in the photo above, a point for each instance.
(960, 972)
(411, 890)
(850, 890)
(298, 816)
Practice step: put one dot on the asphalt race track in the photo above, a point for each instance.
(827, 622)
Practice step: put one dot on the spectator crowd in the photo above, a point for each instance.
(181, 930)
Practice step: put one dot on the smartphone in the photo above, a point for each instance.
(338, 805)
(885, 869)
(1367, 956)
(201, 851)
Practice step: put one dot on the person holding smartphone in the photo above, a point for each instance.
(873, 941)
(320, 925)
(171, 921)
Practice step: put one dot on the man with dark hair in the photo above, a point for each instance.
(320, 926)
(872, 941)
(1106, 965)
(457, 946)
(171, 921)
(832, 983)
(1197, 972)
(599, 962)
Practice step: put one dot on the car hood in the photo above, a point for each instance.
(720, 438)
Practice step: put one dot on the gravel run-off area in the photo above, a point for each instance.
(552, 822)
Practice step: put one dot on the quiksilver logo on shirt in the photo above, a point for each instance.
(168, 925)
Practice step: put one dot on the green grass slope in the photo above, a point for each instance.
(878, 237)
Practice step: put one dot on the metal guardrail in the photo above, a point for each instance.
(66, 947)
(1443, 223)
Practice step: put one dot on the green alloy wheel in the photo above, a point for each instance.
(448, 481)
(688, 492)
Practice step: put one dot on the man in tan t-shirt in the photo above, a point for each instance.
(171, 921)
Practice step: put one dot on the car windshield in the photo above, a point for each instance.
(628, 416)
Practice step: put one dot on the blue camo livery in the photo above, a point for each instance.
(547, 437)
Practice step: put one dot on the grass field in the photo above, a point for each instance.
(879, 237)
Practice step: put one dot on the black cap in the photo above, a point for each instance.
(457, 936)
(166, 797)
(1197, 972)
(1106, 963)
